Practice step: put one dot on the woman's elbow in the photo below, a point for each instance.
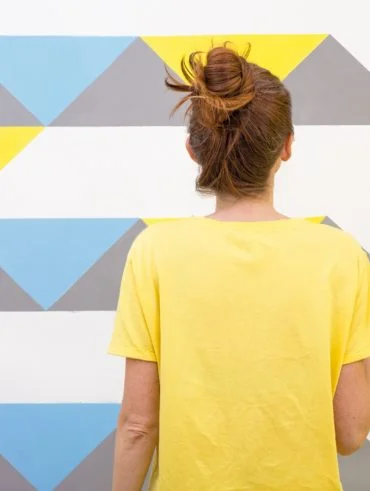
(350, 442)
(138, 429)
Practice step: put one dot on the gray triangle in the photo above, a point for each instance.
(98, 288)
(148, 478)
(13, 113)
(354, 470)
(95, 471)
(329, 221)
(11, 479)
(13, 298)
(330, 87)
(131, 92)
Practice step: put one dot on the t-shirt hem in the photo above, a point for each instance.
(357, 356)
(127, 352)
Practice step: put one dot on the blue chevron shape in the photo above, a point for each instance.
(46, 73)
(45, 442)
(46, 257)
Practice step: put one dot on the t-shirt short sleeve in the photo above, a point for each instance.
(358, 346)
(136, 327)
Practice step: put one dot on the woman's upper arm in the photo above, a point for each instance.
(352, 406)
(352, 397)
(140, 405)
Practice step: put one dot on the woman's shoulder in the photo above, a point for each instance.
(163, 228)
(331, 233)
(159, 234)
(335, 243)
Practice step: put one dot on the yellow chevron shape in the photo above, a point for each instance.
(280, 53)
(13, 139)
(153, 221)
(315, 219)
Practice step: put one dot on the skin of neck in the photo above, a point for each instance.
(261, 208)
(247, 209)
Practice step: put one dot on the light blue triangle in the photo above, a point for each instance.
(46, 257)
(46, 73)
(45, 442)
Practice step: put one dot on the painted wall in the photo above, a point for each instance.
(89, 156)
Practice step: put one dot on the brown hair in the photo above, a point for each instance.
(239, 117)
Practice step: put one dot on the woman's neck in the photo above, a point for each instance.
(246, 209)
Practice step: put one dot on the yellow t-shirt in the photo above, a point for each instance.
(250, 323)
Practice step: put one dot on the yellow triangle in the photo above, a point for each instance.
(13, 139)
(152, 221)
(280, 53)
(315, 219)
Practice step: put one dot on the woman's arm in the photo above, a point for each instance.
(352, 407)
(138, 425)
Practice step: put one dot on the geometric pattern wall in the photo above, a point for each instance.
(66, 267)
(43, 83)
(76, 441)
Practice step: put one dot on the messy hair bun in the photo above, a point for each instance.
(239, 117)
(219, 87)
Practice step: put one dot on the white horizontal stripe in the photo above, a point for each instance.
(102, 172)
(58, 357)
(329, 174)
(55, 357)
(163, 18)
(146, 17)
(145, 172)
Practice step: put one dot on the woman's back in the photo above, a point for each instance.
(249, 323)
(237, 328)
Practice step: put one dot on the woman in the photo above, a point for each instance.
(246, 333)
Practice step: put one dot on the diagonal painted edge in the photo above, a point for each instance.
(14, 139)
(95, 471)
(13, 112)
(329, 221)
(131, 92)
(47, 72)
(13, 298)
(46, 441)
(98, 288)
(59, 251)
(11, 479)
(330, 87)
